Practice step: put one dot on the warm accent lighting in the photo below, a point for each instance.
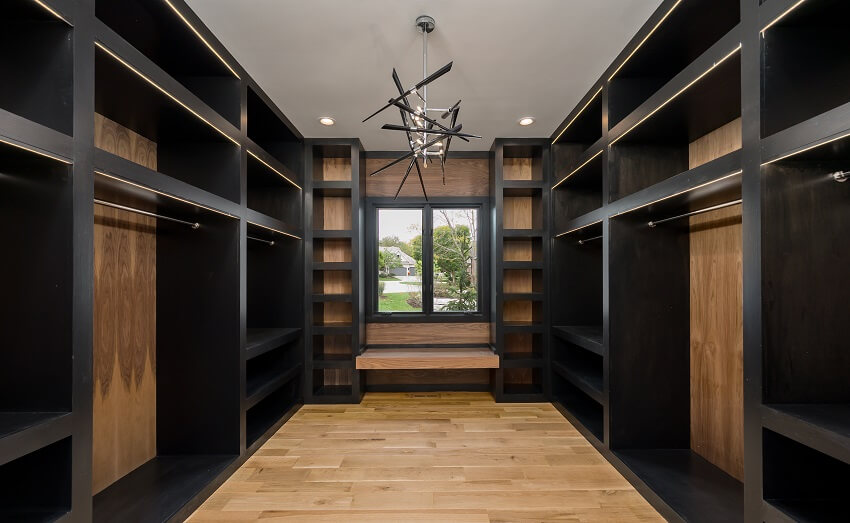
(780, 17)
(256, 157)
(326, 120)
(36, 151)
(526, 121)
(577, 115)
(201, 38)
(275, 230)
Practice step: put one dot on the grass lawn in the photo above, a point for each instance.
(395, 302)
(389, 278)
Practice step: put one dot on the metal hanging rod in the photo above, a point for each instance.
(841, 176)
(193, 225)
(582, 242)
(267, 242)
(694, 213)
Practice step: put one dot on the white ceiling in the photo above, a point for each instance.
(512, 58)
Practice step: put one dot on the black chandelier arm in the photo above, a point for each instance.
(421, 181)
(450, 111)
(438, 73)
(393, 127)
(408, 109)
(412, 152)
(406, 174)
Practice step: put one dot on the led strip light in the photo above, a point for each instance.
(35, 151)
(780, 17)
(273, 169)
(52, 11)
(592, 98)
(682, 90)
(706, 184)
(577, 169)
(577, 229)
(645, 38)
(201, 38)
(163, 91)
(809, 148)
(177, 198)
(275, 230)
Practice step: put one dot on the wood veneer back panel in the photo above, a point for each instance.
(518, 212)
(518, 168)
(124, 345)
(336, 169)
(426, 333)
(716, 319)
(124, 357)
(332, 250)
(464, 177)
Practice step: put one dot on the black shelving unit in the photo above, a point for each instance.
(519, 175)
(667, 130)
(178, 126)
(334, 298)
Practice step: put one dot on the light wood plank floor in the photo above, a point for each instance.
(447, 457)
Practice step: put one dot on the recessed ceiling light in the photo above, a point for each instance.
(526, 120)
(326, 120)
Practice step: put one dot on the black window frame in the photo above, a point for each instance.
(427, 315)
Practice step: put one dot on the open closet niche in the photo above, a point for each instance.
(166, 363)
(35, 315)
(676, 342)
(274, 345)
(577, 350)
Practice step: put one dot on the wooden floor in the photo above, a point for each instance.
(444, 457)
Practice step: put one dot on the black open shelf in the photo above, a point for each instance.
(273, 192)
(822, 426)
(271, 410)
(164, 37)
(36, 218)
(14, 422)
(685, 34)
(804, 65)
(187, 148)
(694, 488)
(579, 406)
(657, 147)
(268, 129)
(265, 373)
(802, 483)
(586, 336)
(37, 486)
(584, 377)
(36, 59)
(157, 490)
(578, 191)
(261, 340)
(582, 130)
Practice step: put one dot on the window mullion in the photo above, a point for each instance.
(428, 261)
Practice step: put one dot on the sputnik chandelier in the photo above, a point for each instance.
(426, 136)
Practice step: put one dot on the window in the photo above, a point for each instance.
(427, 260)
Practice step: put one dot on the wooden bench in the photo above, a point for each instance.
(408, 358)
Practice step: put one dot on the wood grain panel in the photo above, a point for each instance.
(518, 310)
(715, 144)
(123, 142)
(518, 281)
(518, 212)
(518, 376)
(464, 177)
(336, 169)
(332, 345)
(332, 312)
(430, 358)
(337, 376)
(716, 348)
(518, 168)
(332, 250)
(518, 250)
(124, 348)
(332, 213)
(426, 333)
(332, 282)
(519, 343)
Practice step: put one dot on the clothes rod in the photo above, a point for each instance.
(694, 213)
(193, 225)
(582, 242)
(267, 242)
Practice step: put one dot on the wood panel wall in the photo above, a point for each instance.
(716, 320)
(427, 333)
(329, 250)
(336, 169)
(518, 168)
(464, 177)
(124, 352)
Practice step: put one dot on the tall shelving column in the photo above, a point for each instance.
(518, 186)
(334, 282)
